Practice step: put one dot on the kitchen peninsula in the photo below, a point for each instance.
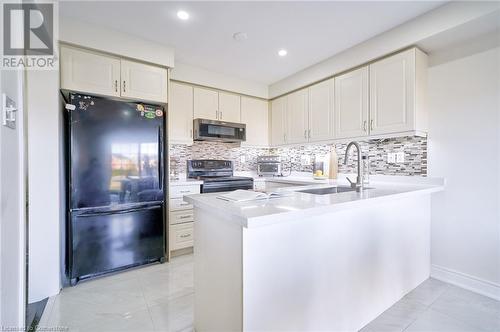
(309, 261)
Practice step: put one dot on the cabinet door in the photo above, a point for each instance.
(392, 94)
(321, 111)
(254, 113)
(297, 116)
(86, 71)
(351, 104)
(146, 82)
(278, 125)
(180, 115)
(229, 107)
(206, 104)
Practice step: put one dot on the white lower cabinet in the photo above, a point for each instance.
(181, 236)
(180, 217)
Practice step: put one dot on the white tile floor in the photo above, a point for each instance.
(160, 298)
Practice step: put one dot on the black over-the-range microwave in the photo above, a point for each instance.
(220, 131)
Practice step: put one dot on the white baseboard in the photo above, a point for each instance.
(477, 285)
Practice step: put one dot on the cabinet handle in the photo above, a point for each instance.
(116, 85)
(371, 124)
(216, 114)
(309, 133)
(364, 125)
(284, 138)
(184, 191)
(185, 236)
(191, 133)
(184, 203)
(123, 86)
(305, 133)
(185, 217)
(220, 115)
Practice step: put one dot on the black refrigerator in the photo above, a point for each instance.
(116, 185)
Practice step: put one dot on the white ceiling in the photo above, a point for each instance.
(310, 31)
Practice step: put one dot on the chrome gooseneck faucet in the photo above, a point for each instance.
(359, 181)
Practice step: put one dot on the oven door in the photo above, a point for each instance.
(213, 187)
(210, 130)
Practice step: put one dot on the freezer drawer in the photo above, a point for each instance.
(107, 241)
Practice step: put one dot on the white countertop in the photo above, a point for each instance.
(303, 205)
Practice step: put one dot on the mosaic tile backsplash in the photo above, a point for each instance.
(414, 148)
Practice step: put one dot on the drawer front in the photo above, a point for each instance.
(177, 204)
(181, 217)
(181, 236)
(179, 191)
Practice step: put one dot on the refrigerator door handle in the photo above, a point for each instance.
(160, 158)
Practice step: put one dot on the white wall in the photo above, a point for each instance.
(193, 74)
(12, 285)
(464, 147)
(116, 42)
(441, 19)
(45, 196)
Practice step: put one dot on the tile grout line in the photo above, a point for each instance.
(427, 307)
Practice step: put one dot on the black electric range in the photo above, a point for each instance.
(217, 175)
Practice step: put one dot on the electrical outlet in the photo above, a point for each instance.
(243, 159)
(391, 157)
(305, 160)
(400, 157)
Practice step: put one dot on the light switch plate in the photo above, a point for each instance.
(243, 159)
(391, 157)
(400, 157)
(9, 110)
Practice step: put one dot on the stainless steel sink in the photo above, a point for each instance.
(330, 190)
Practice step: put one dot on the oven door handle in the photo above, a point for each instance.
(225, 186)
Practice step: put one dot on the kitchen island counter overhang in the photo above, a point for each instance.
(310, 262)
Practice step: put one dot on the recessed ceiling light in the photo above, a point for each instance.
(183, 15)
(282, 52)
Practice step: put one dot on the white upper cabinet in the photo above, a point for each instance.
(351, 104)
(90, 72)
(392, 93)
(255, 114)
(321, 111)
(141, 81)
(206, 104)
(278, 121)
(297, 117)
(180, 113)
(229, 107)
